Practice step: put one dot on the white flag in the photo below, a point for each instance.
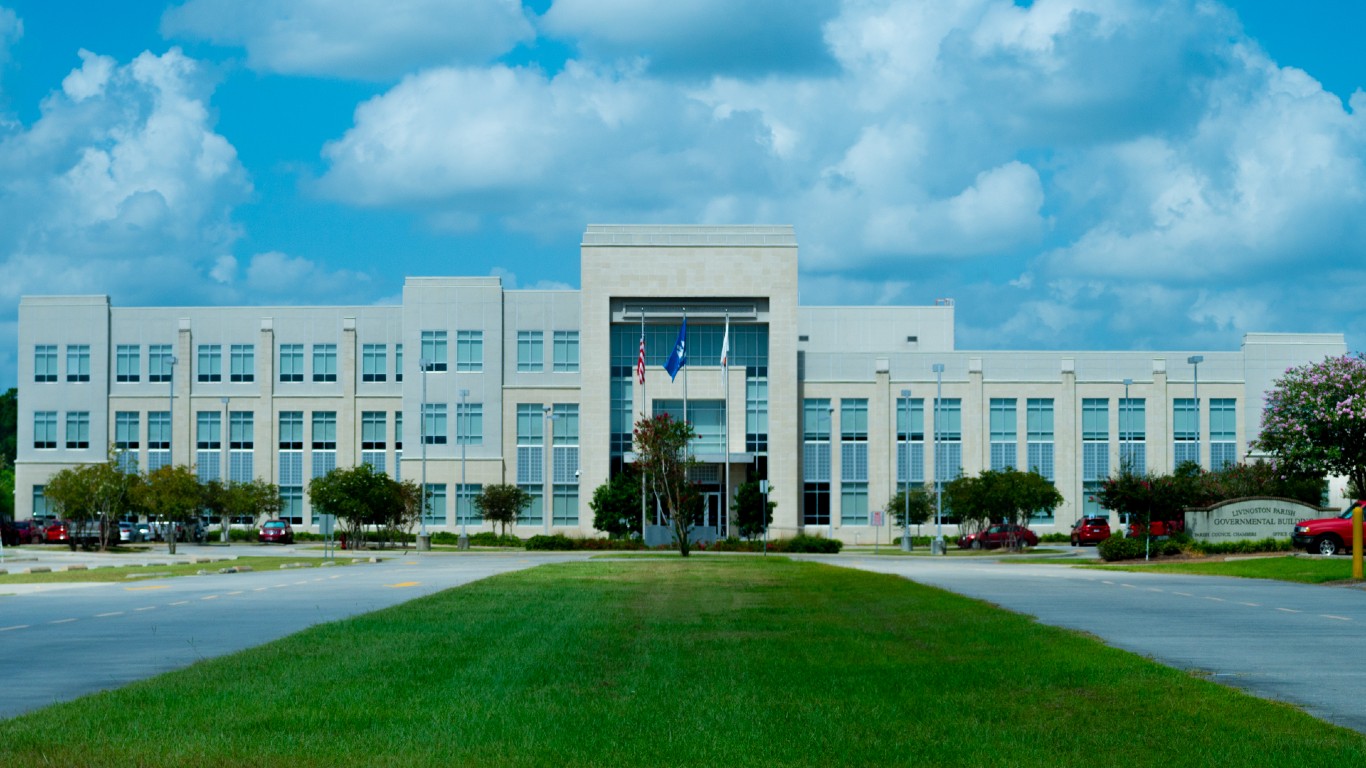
(725, 352)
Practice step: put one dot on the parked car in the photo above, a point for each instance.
(56, 532)
(18, 532)
(999, 535)
(1090, 530)
(1326, 535)
(277, 531)
(143, 532)
(1158, 528)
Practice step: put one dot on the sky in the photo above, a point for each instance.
(1074, 174)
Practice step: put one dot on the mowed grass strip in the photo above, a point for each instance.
(705, 661)
(1305, 570)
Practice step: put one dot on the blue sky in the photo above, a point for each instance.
(1075, 174)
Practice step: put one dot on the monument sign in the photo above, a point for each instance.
(1249, 519)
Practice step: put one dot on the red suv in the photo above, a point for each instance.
(277, 531)
(1090, 530)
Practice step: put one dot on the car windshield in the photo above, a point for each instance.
(275, 525)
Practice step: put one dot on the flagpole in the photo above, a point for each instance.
(725, 449)
(640, 374)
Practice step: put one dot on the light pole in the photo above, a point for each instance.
(938, 369)
(548, 468)
(464, 542)
(225, 456)
(1126, 458)
(424, 542)
(906, 480)
(829, 515)
(1196, 360)
(170, 429)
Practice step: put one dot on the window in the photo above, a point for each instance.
(1185, 431)
(324, 442)
(158, 440)
(1039, 423)
(816, 461)
(398, 430)
(910, 435)
(40, 507)
(324, 430)
(531, 420)
(566, 351)
(209, 430)
(433, 350)
(160, 362)
(530, 351)
(45, 429)
(1223, 432)
(398, 362)
(469, 427)
(434, 423)
(469, 351)
(241, 445)
(209, 365)
(372, 438)
(1004, 438)
(372, 429)
(948, 460)
(373, 361)
(324, 362)
(1095, 451)
(854, 462)
(464, 503)
(127, 363)
(45, 362)
(436, 504)
(292, 504)
(242, 366)
(291, 430)
(1132, 435)
(291, 362)
(78, 362)
(77, 429)
(208, 445)
(126, 430)
(564, 469)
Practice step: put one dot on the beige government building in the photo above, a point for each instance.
(834, 406)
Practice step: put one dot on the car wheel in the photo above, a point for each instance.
(1326, 545)
(976, 543)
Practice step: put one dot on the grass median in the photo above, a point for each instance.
(704, 661)
(1305, 570)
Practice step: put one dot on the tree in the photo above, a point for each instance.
(9, 425)
(1315, 419)
(921, 505)
(616, 505)
(255, 499)
(502, 503)
(173, 495)
(662, 454)
(93, 495)
(752, 515)
(358, 496)
(1008, 496)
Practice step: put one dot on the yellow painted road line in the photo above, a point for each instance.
(144, 589)
(404, 584)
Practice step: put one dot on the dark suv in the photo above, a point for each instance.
(1090, 530)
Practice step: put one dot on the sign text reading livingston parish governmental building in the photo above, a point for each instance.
(1249, 519)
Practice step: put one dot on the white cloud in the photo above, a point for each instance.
(11, 30)
(364, 39)
(277, 278)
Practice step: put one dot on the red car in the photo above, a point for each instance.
(277, 531)
(999, 535)
(56, 532)
(1327, 535)
(1090, 530)
(1158, 527)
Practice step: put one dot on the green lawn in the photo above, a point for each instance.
(704, 661)
(1282, 568)
(132, 572)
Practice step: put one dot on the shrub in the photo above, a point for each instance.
(237, 534)
(1242, 547)
(556, 543)
(1120, 548)
(491, 539)
(806, 544)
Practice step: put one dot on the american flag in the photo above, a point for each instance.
(640, 361)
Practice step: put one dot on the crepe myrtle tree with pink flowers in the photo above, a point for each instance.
(1315, 419)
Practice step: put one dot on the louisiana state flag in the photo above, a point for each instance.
(679, 357)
